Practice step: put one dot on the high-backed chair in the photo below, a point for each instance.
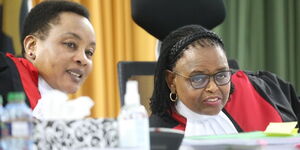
(127, 69)
(160, 17)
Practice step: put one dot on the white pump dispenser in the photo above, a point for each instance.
(133, 120)
(132, 96)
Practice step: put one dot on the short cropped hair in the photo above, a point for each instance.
(39, 18)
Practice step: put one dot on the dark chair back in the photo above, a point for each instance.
(127, 69)
(160, 17)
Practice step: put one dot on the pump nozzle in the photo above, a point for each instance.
(132, 96)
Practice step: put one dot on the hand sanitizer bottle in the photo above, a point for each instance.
(133, 120)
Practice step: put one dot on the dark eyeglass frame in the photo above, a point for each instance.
(207, 79)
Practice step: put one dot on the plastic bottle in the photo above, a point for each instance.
(17, 119)
(133, 120)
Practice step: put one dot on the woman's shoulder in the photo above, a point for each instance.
(261, 77)
(17, 74)
(265, 82)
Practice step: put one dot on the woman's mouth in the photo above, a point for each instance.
(75, 74)
(212, 101)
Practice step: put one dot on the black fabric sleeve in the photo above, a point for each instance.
(278, 93)
(9, 78)
(166, 122)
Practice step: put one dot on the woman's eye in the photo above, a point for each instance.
(198, 78)
(70, 45)
(89, 53)
(220, 76)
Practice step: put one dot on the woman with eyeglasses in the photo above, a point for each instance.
(196, 91)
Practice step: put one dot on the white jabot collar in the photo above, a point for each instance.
(44, 87)
(49, 96)
(198, 124)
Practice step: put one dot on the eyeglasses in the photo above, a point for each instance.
(201, 80)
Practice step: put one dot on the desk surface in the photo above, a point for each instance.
(244, 141)
(266, 147)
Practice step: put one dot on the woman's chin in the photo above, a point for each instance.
(73, 91)
(70, 90)
(210, 112)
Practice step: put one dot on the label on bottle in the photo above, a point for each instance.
(20, 129)
(132, 132)
(134, 128)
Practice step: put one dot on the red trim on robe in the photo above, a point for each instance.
(182, 120)
(250, 111)
(29, 78)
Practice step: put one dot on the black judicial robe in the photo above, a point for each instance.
(258, 99)
(18, 74)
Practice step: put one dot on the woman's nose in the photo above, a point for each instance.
(211, 86)
(80, 58)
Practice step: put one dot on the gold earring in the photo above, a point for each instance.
(172, 95)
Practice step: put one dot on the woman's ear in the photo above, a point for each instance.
(30, 43)
(170, 79)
